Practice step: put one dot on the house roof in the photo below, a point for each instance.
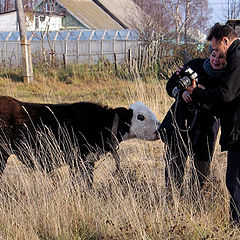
(124, 10)
(90, 14)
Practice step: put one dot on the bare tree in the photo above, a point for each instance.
(164, 20)
(229, 10)
(232, 9)
(7, 5)
(174, 8)
(187, 14)
(10, 5)
(175, 16)
(199, 14)
(152, 21)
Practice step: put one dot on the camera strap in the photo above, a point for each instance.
(193, 121)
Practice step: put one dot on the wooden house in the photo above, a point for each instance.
(54, 15)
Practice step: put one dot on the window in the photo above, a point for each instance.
(36, 22)
(42, 18)
(49, 7)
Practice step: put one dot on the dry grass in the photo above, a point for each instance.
(131, 205)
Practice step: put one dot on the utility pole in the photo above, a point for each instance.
(187, 13)
(25, 45)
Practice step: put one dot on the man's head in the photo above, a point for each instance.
(221, 37)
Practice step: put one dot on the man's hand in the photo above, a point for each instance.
(201, 86)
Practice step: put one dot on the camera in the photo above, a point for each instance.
(186, 76)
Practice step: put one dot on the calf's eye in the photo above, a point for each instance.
(140, 117)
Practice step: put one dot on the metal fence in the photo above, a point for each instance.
(76, 46)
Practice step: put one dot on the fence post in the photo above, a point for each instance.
(89, 51)
(64, 60)
(52, 58)
(129, 60)
(115, 62)
(78, 51)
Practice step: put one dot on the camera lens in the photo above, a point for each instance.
(184, 82)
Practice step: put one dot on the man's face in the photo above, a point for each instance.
(221, 46)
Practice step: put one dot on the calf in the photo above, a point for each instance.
(94, 127)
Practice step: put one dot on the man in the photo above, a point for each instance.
(226, 99)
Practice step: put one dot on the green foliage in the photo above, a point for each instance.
(14, 73)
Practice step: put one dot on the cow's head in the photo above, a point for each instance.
(138, 122)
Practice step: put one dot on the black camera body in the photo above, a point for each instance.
(186, 76)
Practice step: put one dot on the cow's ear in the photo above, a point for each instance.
(124, 113)
(125, 118)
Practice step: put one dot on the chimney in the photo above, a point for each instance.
(6, 6)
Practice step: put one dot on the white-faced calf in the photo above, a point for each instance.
(93, 126)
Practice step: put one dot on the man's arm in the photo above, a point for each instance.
(229, 86)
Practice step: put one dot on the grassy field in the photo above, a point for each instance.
(131, 205)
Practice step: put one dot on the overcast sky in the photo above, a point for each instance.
(219, 11)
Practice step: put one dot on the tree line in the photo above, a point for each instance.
(180, 19)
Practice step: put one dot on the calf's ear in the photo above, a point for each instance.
(124, 113)
(115, 124)
(114, 130)
(124, 123)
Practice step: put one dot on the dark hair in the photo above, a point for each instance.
(219, 31)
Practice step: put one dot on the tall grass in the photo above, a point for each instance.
(133, 204)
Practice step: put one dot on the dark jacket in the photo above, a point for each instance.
(226, 99)
(203, 126)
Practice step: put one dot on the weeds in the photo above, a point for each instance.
(131, 205)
